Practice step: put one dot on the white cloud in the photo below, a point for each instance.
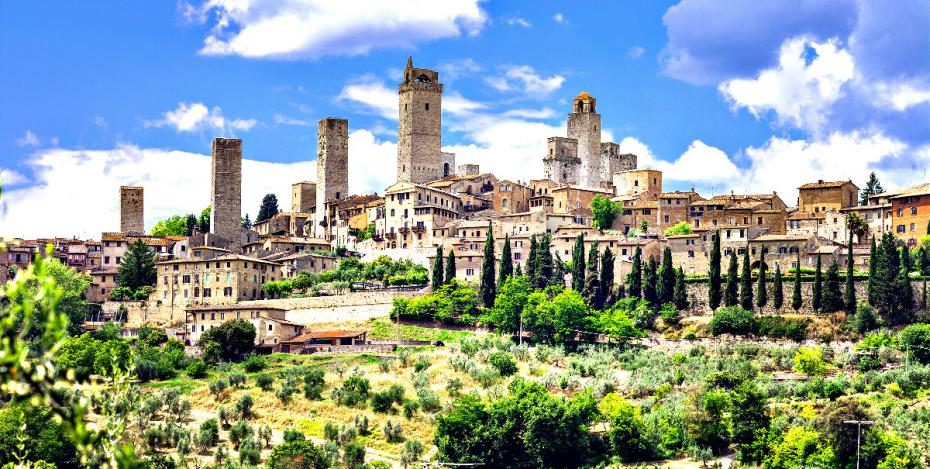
(454, 103)
(313, 28)
(63, 203)
(372, 93)
(455, 69)
(285, 120)
(29, 139)
(518, 21)
(900, 96)
(701, 164)
(8, 177)
(636, 52)
(196, 117)
(524, 78)
(800, 90)
(99, 121)
(544, 113)
(558, 18)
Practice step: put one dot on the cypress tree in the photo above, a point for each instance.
(488, 288)
(777, 293)
(450, 266)
(506, 262)
(544, 262)
(635, 278)
(649, 282)
(578, 265)
(850, 297)
(531, 261)
(873, 264)
(518, 270)
(606, 281)
(923, 302)
(731, 296)
(745, 282)
(796, 301)
(592, 281)
(681, 292)
(832, 298)
(713, 273)
(904, 288)
(665, 290)
(437, 269)
(887, 265)
(816, 302)
(761, 292)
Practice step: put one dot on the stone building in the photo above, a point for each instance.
(419, 130)
(566, 199)
(465, 169)
(113, 248)
(876, 213)
(303, 196)
(226, 190)
(131, 217)
(541, 197)
(638, 183)
(561, 163)
(910, 213)
(821, 196)
(447, 161)
(313, 262)
(584, 126)
(270, 326)
(264, 247)
(690, 252)
(413, 210)
(612, 161)
(511, 197)
(332, 172)
(674, 207)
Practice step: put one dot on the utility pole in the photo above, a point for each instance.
(859, 424)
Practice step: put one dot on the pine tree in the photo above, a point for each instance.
(488, 288)
(606, 281)
(450, 266)
(437, 269)
(731, 296)
(649, 282)
(796, 301)
(268, 209)
(205, 219)
(634, 279)
(137, 268)
(777, 293)
(745, 282)
(761, 292)
(816, 301)
(578, 265)
(592, 279)
(832, 298)
(544, 263)
(665, 290)
(681, 292)
(191, 224)
(713, 273)
(531, 261)
(506, 262)
(850, 297)
(872, 187)
(873, 263)
(884, 283)
(246, 223)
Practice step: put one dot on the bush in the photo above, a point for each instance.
(382, 402)
(313, 384)
(330, 431)
(239, 432)
(503, 362)
(43, 437)
(217, 387)
(915, 339)
(209, 435)
(669, 314)
(421, 363)
(411, 453)
(293, 434)
(236, 379)
(732, 320)
(393, 432)
(353, 455)
(253, 363)
(232, 339)
(809, 360)
(778, 327)
(249, 452)
(361, 424)
(244, 407)
(197, 369)
(296, 454)
(410, 408)
(429, 401)
(353, 392)
(264, 381)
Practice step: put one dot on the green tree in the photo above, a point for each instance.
(887, 267)
(905, 298)
(204, 220)
(634, 279)
(872, 187)
(268, 209)
(604, 211)
(849, 299)
(606, 281)
(745, 282)
(650, 280)
(796, 300)
(234, 338)
(247, 224)
(511, 299)
(761, 291)
(800, 447)
(578, 264)
(713, 273)
(628, 435)
(832, 299)
(750, 417)
(78, 354)
(678, 229)
(544, 262)
(42, 437)
(665, 290)
(506, 270)
(616, 323)
(437, 269)
(816, 301)
(450, 267)
(777, 289)
(137, 268)
(731, 294)
(681, 292)
(488, 287)
(566, 313)
(592, 286)
(299, 454)
(175, 225)
(191, 223)
(915, 340)
(873, 264)
(531, 270)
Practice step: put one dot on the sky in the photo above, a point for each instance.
(721, 95)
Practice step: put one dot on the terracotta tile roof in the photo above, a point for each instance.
(332, 334)
(825, 184)
(920, 189)
(111, 236)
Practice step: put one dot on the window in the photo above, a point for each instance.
(690, 253)
(426, 106)
(469, 271)
(900, 229)
(186, 279)
(913, 210)
(106, 259)
(270, 327)
(912, 227)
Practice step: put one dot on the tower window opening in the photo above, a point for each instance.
(426, 106)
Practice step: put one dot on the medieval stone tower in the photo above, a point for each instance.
(584, 125)
(612, 161)
(332, 169)
(561, 163)
(226, 189)
(303, 196)
(419, 131)
(130, 210)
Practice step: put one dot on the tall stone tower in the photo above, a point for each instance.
(332, 168)
(226, 189)
(303, 196)
(584, 125)
(612, 161)
(419, 129)
(130, 210)
(561, 163)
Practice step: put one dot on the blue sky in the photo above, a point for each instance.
(720, 95)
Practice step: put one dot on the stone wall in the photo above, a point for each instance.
(697, 296)
(226, 189)
(131, 210)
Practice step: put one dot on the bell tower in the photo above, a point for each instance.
(419, 130)
(584, 125)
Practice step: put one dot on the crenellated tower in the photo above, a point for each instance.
(419, 131)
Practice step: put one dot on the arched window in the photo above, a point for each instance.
(504, 202)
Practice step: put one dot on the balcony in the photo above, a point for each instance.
(390, 235)
(404, 229)
(419, 229)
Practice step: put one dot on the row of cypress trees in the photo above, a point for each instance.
(657, 283)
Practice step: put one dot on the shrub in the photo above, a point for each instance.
(429, 401)
(347, 433)
(253, 363)
(217, 387)
(197, 369)
(353, 455)
(353, 392)
(732, 320)
(669, 314)
(420, 380)
(393, 431)
(833, 389)
(361, 424)
(264, 381)
(293, 434)
(236, 379)
(314, 380)
(454, 386)
(503, 363)
(248, 451)
(410, 408)
(330, 431)
(809, 360)
(778, 327)
(421, 363)
(296, 454)
(382, 402)
(239, 432)
(209, 435)
(411, 453)
(486, 377)
(244, 407)
(915, 339)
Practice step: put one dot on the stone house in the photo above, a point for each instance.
(690, 252)
(645, 183)
(413, 210)
(674, 208)
(566, 199)
(822, 196)
(298, 262)
(265, 247)
(877, 214)
(541, 196)
(511, 197)
(910, 213)
(271, 328)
